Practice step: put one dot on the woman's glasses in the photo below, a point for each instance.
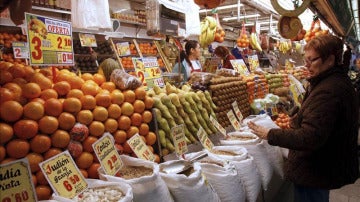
(310, 61)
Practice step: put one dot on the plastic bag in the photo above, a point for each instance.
(90, 14)
(124, 81)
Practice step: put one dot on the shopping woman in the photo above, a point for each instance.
(224, 53)
(189, 59)
(322, 140)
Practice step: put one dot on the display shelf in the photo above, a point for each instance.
(51, 10)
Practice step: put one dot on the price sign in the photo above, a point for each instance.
(16, 182)
(87, 40)
(179, 140)
(240, 66)
(237, 111)
(63, 175)
(50, 41)
(140, 149)
(234, 122)
(140, 70)
(148, 71)
(253, 62)
(108, 156)
(123, 48)
(20, 49)
(217, 125)
(204, 139)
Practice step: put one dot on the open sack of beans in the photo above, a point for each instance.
(144, 178)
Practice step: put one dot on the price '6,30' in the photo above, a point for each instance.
(73, 180)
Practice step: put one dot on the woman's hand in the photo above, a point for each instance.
(260, 131)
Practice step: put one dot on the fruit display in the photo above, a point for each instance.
(277, 81)
(315, 30)
(226, 90)
(6, 40)
(257, 87)
(174, 106)
(298, 73)
(208, 29)
(78, 49)
(283, 121)
(86, 63)
(220, 32)
(148, 49)
(285, 46)
(103, 48)
(41, 117)
(136, 16)
(169, 53)
(254, 42)
(242, 41)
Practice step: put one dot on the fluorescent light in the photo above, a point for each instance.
(244, 17)
(220, 8)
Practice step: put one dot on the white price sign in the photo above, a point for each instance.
(20, 49)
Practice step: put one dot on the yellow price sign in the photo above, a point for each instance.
(234, 122)
(108, 156)
(63, 175)
(179, 140)
(204, 139)
(16, 182)
(140, 149)
(237, 111)
(218, 126)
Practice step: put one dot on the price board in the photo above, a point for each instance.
(211, 65)
(253, 62)
(234, 122)
(237, 111)
(16, 182)
(87, 40)
(140, 148)
(63, 175)
(123, 48)
(50, 41)
(240, 66)
(204, 139)
(217, 125)
(109, 158)
(147, 69)
(20, 49)
(179, 140)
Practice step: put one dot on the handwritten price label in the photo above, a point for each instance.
(20, 49)
(63, 175)
(234, 122)
(204, 139)
(140, 149)
(16, 184)
(87, 40)
(109, 158)
(237, 111)
(179, 140)
(217, 125)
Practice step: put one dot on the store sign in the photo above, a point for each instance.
(253, 62)
(204, 139)
(148, 70)
(218, 126)
(20, 49)
(139, 147)
(63, 175)
(240, 66)
(237, 111)
(50, 41)
(16, 182)
(178, 135)
(109, 158)
(123, 48)
(87, 40)
(234, 122)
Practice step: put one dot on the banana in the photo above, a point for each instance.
(204, 26)
(255, 42)
(212, 22)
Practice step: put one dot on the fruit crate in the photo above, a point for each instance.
(126, 50)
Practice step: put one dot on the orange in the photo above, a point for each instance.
(19, 81)
(17, 71)
(2, 153)
(99, 78)
(72, 105)
(84, 173)
(25, 129)
(66, 121)
(146, 116)
(88, 102)
(85, 160)
(6, 95)
(136, 119)
(85, 117)
(103, 99)
(40, 143)
(144, 129)
(124, 122)
(5, 77)
(34, 110)
(131, 131)
(149, 102)
(43, 192)
(120, 136)
(60, 139)
(53, 107)
(127, 109)
(48, 93)
(110, 86)
(62, 87)
(157, 158)
(139, 106)
(150, 138)
(111, 125)
(100, 113)
(51, 152)
(87, 76)
(129, 96)
(11, 111)
(63, 76)
(15, 89)
(48, 124)
(17, 148)
(7, 160)
(89, 88)
(41, 80)
(117, 97)
(76, 82)
(87, 143)
(96, 128)
(34, 160)
(6, 133)
(93, 171)
(40, 178)
(114, 111)
(29, 71)
(31, 90)
(140, 93)
(76, 93)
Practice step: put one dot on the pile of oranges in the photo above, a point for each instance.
(38, 111)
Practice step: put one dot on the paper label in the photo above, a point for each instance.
(217, 125)
(240, 66)
(140, 148)
(179, 140)
(123, 48)
(20, 49)
(148, 70)
(234, 122)
(204, 139)
(87, 40)
(253, 62)
(237, 111)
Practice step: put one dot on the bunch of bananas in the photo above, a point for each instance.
(254, 42)
(284, 47)
(208, 30)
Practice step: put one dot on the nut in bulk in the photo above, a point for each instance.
(222, 152)
(106, 193)
(131, 172)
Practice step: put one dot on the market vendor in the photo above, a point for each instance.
(224, 53)
(189, 60)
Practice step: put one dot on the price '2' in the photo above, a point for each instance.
(66, 41)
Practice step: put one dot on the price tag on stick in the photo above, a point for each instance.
(16, 182)
(179, 140)
(140, 148)
(63, 175)
(20, 49)
(109, 158)
(234, 122)
(204, 139)
(237, 111)
(218, 126)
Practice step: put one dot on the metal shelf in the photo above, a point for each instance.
(51, 10)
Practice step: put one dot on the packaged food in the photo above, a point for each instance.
(124, 81)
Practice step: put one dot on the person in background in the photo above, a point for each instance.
(347, 58)
(189, 60)
(224, 53)
(322, 139)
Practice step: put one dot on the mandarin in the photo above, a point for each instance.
(140, 93)
(144, 129)
(60, 139)
(114, 111)
(2, 153)
(146, 116)
(88, 142)
(76, 93)
(150, 138)
(6, 133)
(17, 148)
(124, 122)
(133, 130)
(120, 136)
(72, 105)
(43, 192)
(40, 143)
(117, 97)
(49, 93)
(96, 128)
(53, 107)
(26, 129)
(127, 109)
(100, 113)
(34, 110)
(66, 121)
(11, 111)
(93, 170)
(34, 160)
(31, 90)
(110, 86)
(103, 99)
(136, 119)
(111, 125)
(85, 117)
(85, 160)
(88, 102)
(149, 102)
(129, 96)
(99, 78)
(51, 152)
(48, 124)
(139, 106)
(6, 95)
